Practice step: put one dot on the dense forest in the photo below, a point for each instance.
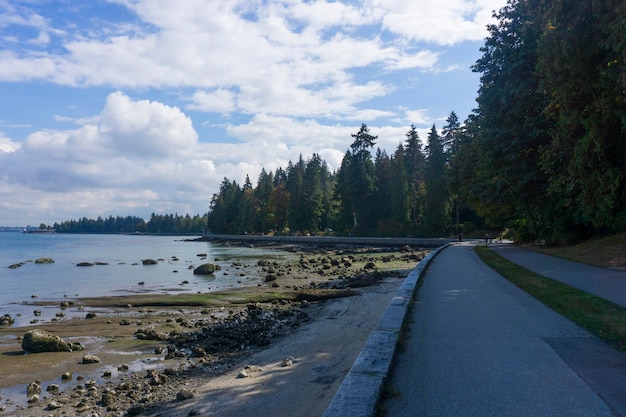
(543, 154)
(168, 223)
(371, 194)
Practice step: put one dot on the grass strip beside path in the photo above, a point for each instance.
(600, 317)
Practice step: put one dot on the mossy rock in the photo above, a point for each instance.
(37, 340)
(44, 261)
(206, 269)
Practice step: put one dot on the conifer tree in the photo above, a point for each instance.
(436, 207)
(415, 162)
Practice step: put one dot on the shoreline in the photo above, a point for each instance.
(298, 291)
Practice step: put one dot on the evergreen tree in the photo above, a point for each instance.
(581, 65)
(401, 197)
(278, 206)
(385, 182)
(262, 193)
(415, 162)
(358, 183)
(507, 184)
(224, 208)
(329, 205)
(295, 187)
(451, 136)
(313, 194)
(346, 219)
(436, 210)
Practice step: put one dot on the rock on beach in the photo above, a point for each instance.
(206, 269)
(37, 340)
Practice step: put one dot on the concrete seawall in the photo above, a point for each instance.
(330, 240)
(360, 391)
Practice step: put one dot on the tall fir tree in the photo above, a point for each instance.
(436, 206)
(415, 163)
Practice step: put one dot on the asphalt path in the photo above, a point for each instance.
(603, 282)
(476, 345)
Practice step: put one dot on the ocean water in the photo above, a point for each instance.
(123, 273)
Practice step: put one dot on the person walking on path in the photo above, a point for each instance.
(476, 345)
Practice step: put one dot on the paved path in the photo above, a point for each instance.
(603, 282)
(479, 346)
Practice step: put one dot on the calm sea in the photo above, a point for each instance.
(122, 274)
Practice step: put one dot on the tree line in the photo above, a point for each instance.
(405, 193)
(158, 223)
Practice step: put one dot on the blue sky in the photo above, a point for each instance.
(128, 107)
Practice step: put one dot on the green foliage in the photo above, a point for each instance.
(587, 155)
(224, 208)
(545, 152)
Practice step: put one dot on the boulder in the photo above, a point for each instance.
(149, 262)
(90, 359)
(206, 269)
(44, 261)
(37, 340)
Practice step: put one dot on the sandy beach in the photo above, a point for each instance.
(320, 317)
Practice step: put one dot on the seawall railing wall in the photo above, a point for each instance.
(330, 240)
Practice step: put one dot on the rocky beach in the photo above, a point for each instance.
(284, 344)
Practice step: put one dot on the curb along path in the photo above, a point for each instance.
(360, 390)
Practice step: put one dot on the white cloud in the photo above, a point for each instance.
(133, 144)
(421, 59)
(443, 22)
(145, 128)
(219, 101)
(417, 117)
(7, 145)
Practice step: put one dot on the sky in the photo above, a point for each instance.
(133, 107)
